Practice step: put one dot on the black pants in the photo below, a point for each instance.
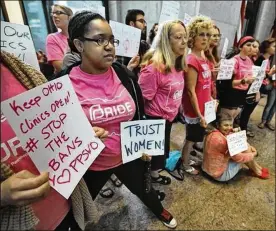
(159, 162)
(131, 175)
(248, 108)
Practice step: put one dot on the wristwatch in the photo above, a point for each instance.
(243, 81)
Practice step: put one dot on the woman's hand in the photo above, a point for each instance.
(202, 122)
(134, 62)
(249, 79)
(101, 133)
(24, 188)
(146, 157)
(258, 96)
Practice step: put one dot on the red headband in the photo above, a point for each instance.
(244, 40)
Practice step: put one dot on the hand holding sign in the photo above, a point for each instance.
(210, 111)
(259, 75)
(53, 129)
(237, 142)
(140, 137)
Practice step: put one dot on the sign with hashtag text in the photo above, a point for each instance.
(53, 129)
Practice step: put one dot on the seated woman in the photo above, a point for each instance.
(217, 161)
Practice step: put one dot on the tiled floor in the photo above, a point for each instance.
(246, 203)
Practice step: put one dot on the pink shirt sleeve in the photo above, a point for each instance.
(53, 50)
(192, 62)
(236, 66)
(149, 82)
(245, 156)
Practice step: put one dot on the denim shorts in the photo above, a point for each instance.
(231, 171)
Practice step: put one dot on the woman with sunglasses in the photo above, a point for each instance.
(197, 88)
(162, 82)
(109, 95)
(56, 43)
(212, 55)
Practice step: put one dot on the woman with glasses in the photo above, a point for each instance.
(162, 82)
(212, 55)
(56, 43)
(109, 95)
(197, 88)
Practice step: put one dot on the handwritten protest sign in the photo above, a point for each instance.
(143, 136)
(129, 38)
(226, 69)
(210, 111)
(187, 19)
(17, 39)
(237, 142)
(53, 129)
(224, 49)
(170, 11)
(259, 74)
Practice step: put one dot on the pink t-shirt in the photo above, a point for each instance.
(242, 68)
(51, 210)
(202, 89)
(266, 81)
(162, 92)
(106, 103)
(56, 46)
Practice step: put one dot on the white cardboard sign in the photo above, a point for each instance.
(170, 11)
(142, 136)
(226, 69)
(187, 19)
(129, 39)
(53, 129)
(259, 74)
(210, 111)
(16, 39)
(237, 142)
(224, 49)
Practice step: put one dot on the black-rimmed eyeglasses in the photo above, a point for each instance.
(103, 42)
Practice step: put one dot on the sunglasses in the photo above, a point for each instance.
(57, 13)
(208, 35)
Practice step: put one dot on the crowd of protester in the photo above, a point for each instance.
(161, 82)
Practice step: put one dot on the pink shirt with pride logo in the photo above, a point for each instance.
(242, 69)
(51, 210)
(202, 89)
(56, 46)
(106, 103)
(162, 92)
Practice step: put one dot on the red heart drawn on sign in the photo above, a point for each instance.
(65, 177)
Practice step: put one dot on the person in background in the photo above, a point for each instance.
(197, 89)
(234, 91)
(98, 82)
(218, 163)
(255, 50)
(162, 82)
(136, 18)
(251, 100)
(46, 69)
(27, 200)
(212, 55)
(267, 50)
(56, 43)
(152, 33)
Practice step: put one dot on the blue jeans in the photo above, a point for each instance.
(232, 169)
(270, 106)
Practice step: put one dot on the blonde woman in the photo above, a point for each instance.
(197, 88)
(56, 43)
(162, 83)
